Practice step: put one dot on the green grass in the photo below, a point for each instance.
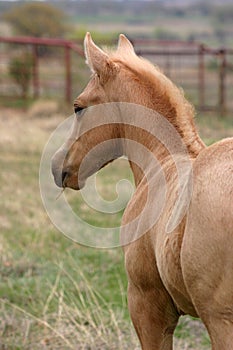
(44, 275)
(55, 294)
(18, 103)
(214, 127)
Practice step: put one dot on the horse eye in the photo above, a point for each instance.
(78, 110)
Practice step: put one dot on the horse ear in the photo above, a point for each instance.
(124, 45)
(95, 57)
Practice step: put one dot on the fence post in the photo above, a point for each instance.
(222, 80)
(201, 76)
(36, 84)
(168, 65)
(68, 73)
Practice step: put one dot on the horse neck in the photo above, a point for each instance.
(144, 152)
(180, 118)
(156, 92)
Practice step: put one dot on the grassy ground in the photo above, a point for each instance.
(55, 294)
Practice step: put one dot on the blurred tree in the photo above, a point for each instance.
(20, 69)
(201, 7)
(36, 19)
(165, 34)
(222, 22)
(100, 37)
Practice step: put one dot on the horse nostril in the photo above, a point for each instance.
(63, 176)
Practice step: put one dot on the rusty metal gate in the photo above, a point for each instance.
(59, 70)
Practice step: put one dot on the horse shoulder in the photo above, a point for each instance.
(153, 257)
(168, 249)
(138, 248)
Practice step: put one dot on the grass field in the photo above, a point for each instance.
(55, 294)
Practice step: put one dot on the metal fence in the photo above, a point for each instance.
(59, 70)
(204, 73)
(52, 66)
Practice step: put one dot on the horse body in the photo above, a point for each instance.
(188, 270)
(206, 254)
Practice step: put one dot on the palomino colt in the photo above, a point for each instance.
(188, 270)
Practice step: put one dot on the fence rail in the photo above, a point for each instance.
(34, 43)
(206, 74)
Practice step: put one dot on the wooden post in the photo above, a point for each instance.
(35, 68)
(68, 73)
(222, 81)
(168, 65)
(201, 77)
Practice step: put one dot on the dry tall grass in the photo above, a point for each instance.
(50, 298)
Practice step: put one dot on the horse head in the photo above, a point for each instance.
(105, 86)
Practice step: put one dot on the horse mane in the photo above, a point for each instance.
(165, 97)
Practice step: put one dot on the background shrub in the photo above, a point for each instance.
(20, 69)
